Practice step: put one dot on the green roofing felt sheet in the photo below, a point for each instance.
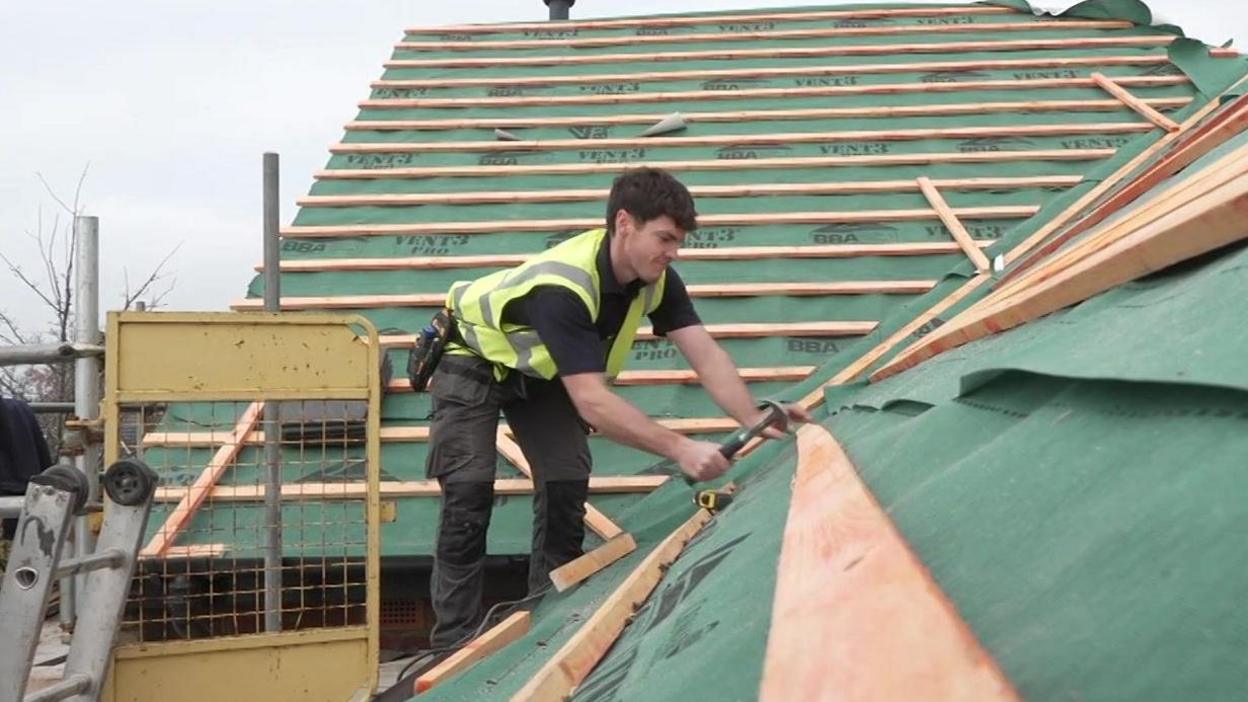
(1075, 485)
(926, 79)
(1088, 531)
(1164, 328)
(1086, 518)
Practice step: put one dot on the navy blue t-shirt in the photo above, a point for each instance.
(577, 343)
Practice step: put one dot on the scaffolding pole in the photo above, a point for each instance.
(46, 353)
(86, 395)
(272, 426)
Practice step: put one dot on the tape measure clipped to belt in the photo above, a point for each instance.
(427, 349)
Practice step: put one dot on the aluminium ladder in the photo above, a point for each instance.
(53, 498)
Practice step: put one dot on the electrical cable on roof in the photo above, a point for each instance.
(422, 654)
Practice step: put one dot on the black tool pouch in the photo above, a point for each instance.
(427, 349)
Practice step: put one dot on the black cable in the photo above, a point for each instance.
(422, 654)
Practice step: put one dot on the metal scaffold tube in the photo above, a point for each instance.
(86, 394)
(46, 353)
(272, 427)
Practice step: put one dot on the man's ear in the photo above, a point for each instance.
(624, 223)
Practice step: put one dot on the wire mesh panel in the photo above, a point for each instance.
(203, 571)
(263, 431)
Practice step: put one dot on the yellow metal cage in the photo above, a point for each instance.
(244, 591)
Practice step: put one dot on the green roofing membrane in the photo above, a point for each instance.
(1071, 484)
(1075, 486)
(1080, 502)
(1085, 143)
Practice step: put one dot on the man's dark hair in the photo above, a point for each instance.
(650, 193)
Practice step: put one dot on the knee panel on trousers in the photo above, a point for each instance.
(464, 522)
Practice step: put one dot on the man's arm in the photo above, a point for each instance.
(716, 371)
(621, 421)
(676, 319)
(718, 374)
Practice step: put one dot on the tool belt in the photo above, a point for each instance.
(428, 348)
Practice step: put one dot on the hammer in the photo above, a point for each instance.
(776, 416)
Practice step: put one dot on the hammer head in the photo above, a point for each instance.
(776, 415)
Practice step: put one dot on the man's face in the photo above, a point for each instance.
(650, 247)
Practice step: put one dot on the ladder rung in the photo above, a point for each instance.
(70, 686)
(108, 558)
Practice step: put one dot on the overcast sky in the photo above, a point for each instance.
(172, 102)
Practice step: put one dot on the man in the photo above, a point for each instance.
(540, 342)
(23, 454)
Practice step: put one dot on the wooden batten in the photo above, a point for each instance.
(1165, 201)
(514, 627)
(575, 659)
(913, 159)
(950, 219)
(865, 287)
(584, 223)
(1126, 171)
(780, 71)
(319, 492)
(210, 439)
(226, 453)
(1150, 238)
(759, 93)
(1114, 87)
(698, 191)
(814, 113)
(745, 140)
(850, 588)
(786, 374)
(631, 22)
(728, 330)
(951, 47)
(848, 374)
(578, 570)
(417, 434)
(733, 253)
(1194, 140)
(764, 35)
(190, 551)
(1202, 138)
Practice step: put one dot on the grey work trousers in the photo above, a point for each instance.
(462, 457)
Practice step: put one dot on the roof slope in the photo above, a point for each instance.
(1033, 473)
(1069, 485)
(1072, 485)
(807, 130)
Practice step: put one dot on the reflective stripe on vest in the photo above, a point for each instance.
(573, 265)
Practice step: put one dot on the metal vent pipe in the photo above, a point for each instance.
(559, 8)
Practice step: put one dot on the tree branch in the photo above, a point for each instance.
(14, 336)
(156, 275)
(82, 177)
(17, 271)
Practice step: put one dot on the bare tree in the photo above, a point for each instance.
(155, 295)
(14, 381)
(53, 285)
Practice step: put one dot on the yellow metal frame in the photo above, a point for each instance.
(215, 356)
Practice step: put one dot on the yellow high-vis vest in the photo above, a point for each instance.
(478, 307)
